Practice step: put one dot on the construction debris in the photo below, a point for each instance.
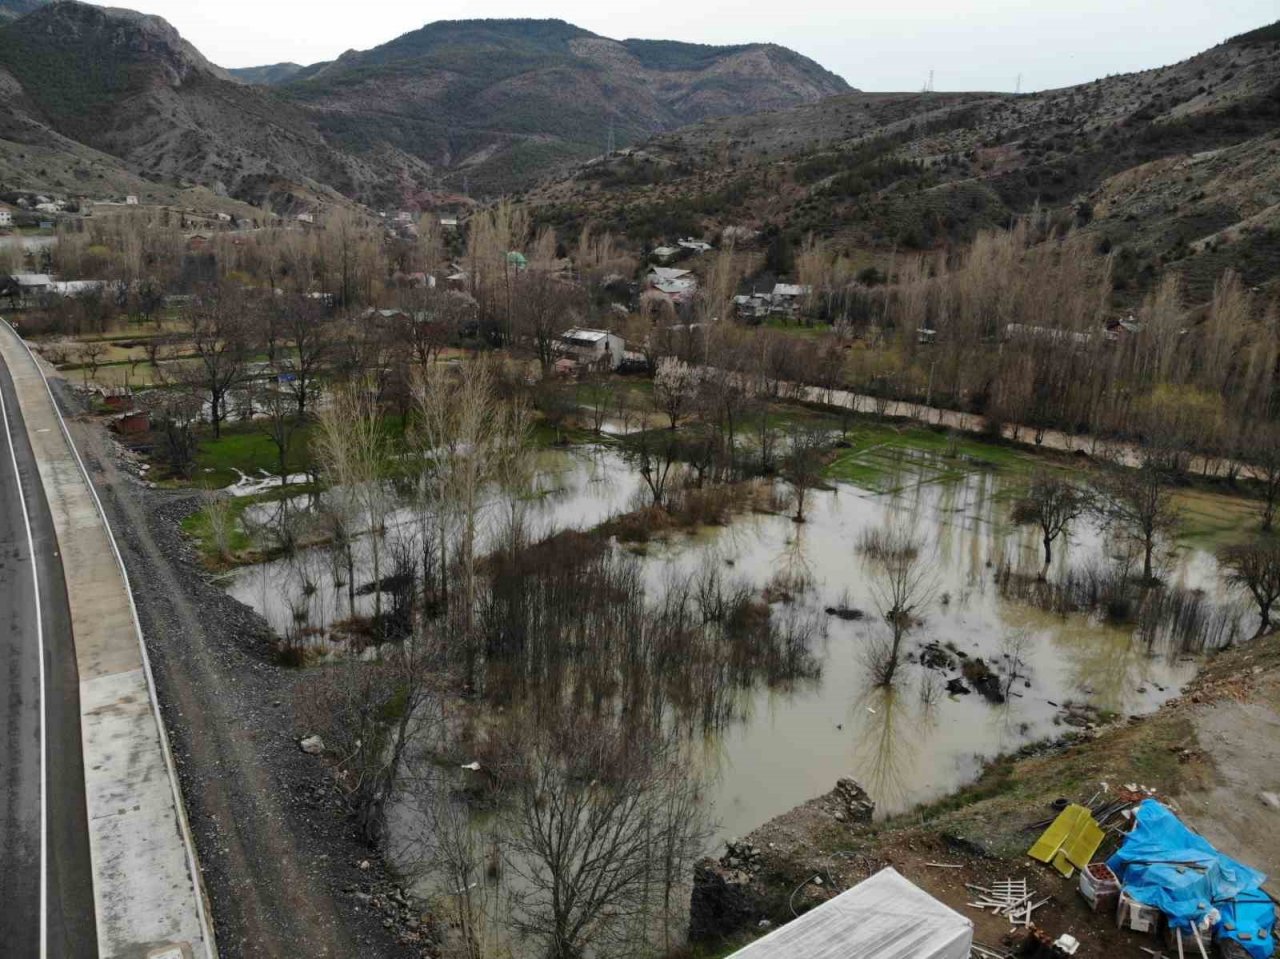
(1009, 898)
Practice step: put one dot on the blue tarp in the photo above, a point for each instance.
(1164, 864)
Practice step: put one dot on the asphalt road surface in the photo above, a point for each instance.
(46, 885)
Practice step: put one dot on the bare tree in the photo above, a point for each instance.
(307, 330)
(468, 439)
(543, 307)
(1140, 502)
(366, 714)
(91, 356)
(1255, 568)
(353, 447)
(173, 416)
(902, 582)
(219, 336)
(601, 823)
(280, 421)
(1053, 503)
(655, 457)
(803, 465)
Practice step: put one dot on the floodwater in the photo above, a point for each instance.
(783, 743)
(917, 743)
(577, 488)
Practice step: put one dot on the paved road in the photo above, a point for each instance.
(44, 838)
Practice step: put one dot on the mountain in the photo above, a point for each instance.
(267, 76)
(12, 9)
(1178, 165)
(129, 86)
(497, 104)
(502, 101)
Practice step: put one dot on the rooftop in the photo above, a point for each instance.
(884, 917)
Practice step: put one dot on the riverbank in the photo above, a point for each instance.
(1211, 753)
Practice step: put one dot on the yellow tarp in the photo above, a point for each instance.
(1083, 843)
(1047, 846)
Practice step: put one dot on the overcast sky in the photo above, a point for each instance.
(969, 44)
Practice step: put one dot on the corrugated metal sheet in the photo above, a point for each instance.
(885, 917)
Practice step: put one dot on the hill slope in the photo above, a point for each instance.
(501, 101)
(1180, 163)
(128, 85)
(496, 102)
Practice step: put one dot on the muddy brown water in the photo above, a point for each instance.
(784, 743)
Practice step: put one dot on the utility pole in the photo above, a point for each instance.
(1018, 87)
(610, 151)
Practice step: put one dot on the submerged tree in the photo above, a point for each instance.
(353, 447)
(902, 583)
(1255, 568)
(470, 441)
(803, 465)
(603, 825)
(1140, 503)
(1052, 503)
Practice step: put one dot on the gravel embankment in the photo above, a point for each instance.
(285, 871)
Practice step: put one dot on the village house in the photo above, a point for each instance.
(672, 283)
(6, 218)
(1116, 330)
(665, 254)
(131, 200)
(306, 218)
(753, 306)
(592, 348)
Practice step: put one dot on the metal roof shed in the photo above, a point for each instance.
(885, 917)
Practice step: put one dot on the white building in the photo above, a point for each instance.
(306, 218)
(6, 218)
(593, 347)
(884, 917)
(131, 200)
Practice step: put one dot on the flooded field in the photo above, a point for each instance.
(766, 739)
(574, 489)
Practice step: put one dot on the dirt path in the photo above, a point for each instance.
(1238, 808)
(277, 858)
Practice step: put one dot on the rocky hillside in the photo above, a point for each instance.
(128, 86)
(502, 101)
(1174, 165)
(495, 103)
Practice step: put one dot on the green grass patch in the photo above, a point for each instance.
(247, 448)
(885, 458)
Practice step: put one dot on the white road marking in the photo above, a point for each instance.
(35, 585)
(184, 827)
